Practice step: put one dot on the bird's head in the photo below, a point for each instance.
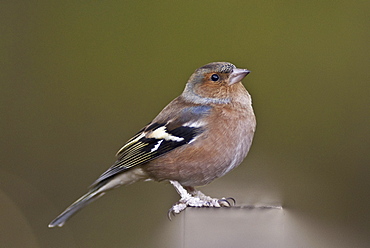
(214, 83)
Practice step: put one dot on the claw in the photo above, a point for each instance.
(232, 199)
(227, 202)
(170, 213)
(224, 202)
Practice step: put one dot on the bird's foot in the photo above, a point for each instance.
(223, 202)
(196, 199)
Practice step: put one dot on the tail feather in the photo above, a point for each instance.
(98, 190)
(86, 199)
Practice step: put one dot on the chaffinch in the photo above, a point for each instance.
(198, 137)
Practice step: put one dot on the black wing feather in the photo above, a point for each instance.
(140, 149)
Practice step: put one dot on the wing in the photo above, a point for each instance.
(157, 139)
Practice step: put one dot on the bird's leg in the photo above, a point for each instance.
(190, 197)
(184, 200)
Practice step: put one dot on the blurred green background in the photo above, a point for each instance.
(77, 79)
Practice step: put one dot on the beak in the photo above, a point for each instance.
(237, 75)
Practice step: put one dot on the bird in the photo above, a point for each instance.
(198, 137)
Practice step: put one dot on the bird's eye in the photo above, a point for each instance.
(215, 77)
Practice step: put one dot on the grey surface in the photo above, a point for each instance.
(253, 228)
